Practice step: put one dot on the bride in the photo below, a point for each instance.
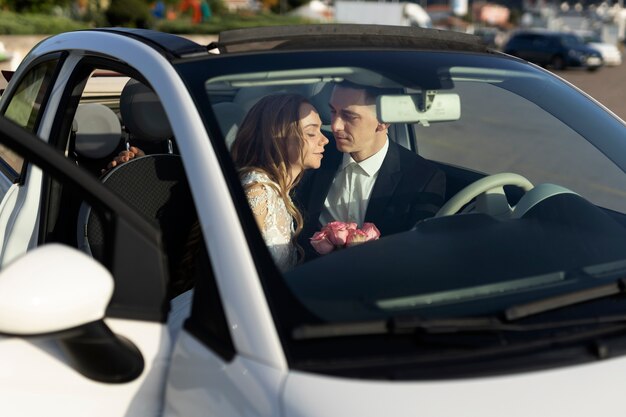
(278, 139)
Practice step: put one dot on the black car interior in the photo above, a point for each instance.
(155, 184)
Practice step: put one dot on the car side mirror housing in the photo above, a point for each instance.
(60, 293)
(50, 289)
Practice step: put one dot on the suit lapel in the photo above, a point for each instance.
(388, 178)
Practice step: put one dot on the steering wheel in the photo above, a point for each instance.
(489, 195)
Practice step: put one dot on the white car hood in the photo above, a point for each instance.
(593, 389)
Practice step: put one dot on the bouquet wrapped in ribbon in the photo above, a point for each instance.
(339, 235)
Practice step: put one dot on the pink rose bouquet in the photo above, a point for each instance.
(338, 235)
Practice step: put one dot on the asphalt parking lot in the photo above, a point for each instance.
(607, 85)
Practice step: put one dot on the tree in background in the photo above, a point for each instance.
(130, 13)
(282, 6)
(35, 6)
(90, 11)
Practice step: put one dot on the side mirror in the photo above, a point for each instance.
(50, 289)
(418, 108)
(58, 292)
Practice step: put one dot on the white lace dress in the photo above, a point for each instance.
(278, 226)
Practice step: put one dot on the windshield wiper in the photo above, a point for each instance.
(394, 325)
(552, 303)
(412, 324)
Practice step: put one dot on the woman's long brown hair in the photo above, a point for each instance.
(262, 143)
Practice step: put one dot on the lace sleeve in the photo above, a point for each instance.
(274, 221)
(259, 199)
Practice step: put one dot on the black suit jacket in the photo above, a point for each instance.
(408, 189)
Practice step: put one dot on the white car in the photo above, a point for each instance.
(509, 301)
(611, 55)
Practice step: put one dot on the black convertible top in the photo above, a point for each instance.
(308, 37)
(171, 46)
(330, 36)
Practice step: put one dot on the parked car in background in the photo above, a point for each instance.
(558, 50)
(611, 55)
(488, 35)
(509, 301)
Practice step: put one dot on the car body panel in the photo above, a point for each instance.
(201, 383)
(20, 227)
(552, 393)
(56, 383)
(7, 207)
(610, 54)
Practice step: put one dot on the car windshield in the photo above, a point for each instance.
(469, 116)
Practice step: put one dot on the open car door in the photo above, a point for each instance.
(78, 337)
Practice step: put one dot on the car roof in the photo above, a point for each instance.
(306, 37)
(352, 36)
(172, 46)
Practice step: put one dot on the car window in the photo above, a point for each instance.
(544, 150)
(475, 120)
(26, 105)
(138, 294)
(469, 116)
(115, 112)
(571, 40)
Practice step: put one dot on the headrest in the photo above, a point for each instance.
(143, 113)
(248, 96)
(229, 117)
(98, 130)
(320, 97)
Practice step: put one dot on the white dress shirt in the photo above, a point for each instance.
(350, 192)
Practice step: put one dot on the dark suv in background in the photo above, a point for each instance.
(558, 50)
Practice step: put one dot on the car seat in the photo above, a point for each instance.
(155, 185)
(319, 97)
(229, 117)
(247, 97)
(97, 135)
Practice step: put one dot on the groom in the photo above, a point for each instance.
(367, 177)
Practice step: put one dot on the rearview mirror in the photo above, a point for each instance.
(418, 108)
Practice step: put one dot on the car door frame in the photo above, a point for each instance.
(18, 218)
(40, 359)
(249, 318)
(133, 319)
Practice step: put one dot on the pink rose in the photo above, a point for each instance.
(321, 243)
(356, 237)
(338, 235)
(351, 226)
(337, 232)
(371, 231)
